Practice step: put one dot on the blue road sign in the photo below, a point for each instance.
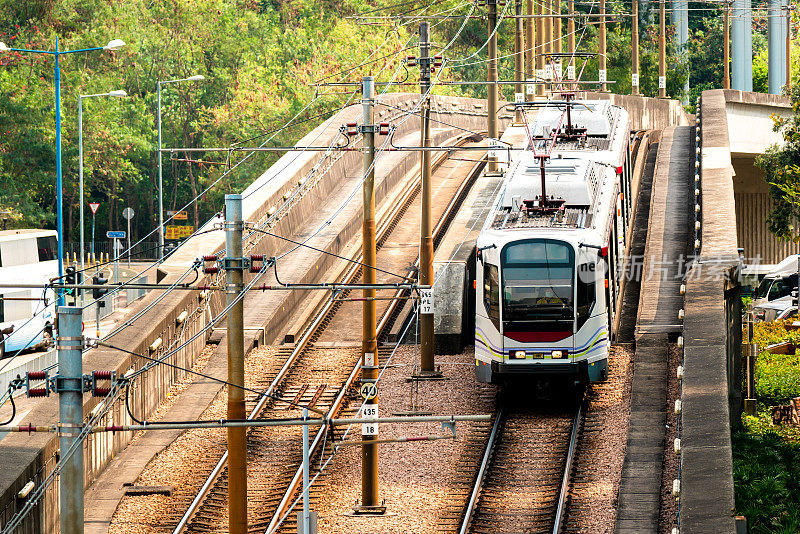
(115, 234)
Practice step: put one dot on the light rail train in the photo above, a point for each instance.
(550, 252)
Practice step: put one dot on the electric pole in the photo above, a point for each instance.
(571, 38)
(635, 48)
(531, 50)
(662, 50)
(369, 360)
(491, 86)
(539, 50)
(237, 443)
(726, 46)
(70, 415)
(788, 46)
(548, 43)
(602, 72)
(427, 368)
(519, 60)
(557, 26)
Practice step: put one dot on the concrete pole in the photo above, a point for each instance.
(491, 86)
(369, 361)
(539, 47)
(662, 50)
(519, 59)
(742, 46)
(635, 47)
(726, 46)
(426, 227)
(788, 47)
(548, 39)
(776, 35)
(160, 181)
(531, 50)
(70, 415)
(603, 72)
(237, 444)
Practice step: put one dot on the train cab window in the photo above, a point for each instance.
(47, 248)
(491, 293)
(538, 283)
(584, 300)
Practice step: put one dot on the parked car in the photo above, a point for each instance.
(780, 308)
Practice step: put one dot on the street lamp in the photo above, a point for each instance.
(195, 78)
(114, 44)
(117, 94)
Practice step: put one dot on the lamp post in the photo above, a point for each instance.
(118, 94)
(114, 44)
(195, 78)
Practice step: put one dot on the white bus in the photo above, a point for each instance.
(29, 257)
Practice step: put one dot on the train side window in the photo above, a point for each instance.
(491, 293)
(585, 300)
(47, 248)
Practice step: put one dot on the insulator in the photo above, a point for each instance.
(37, 392)
(678, 407)
(352, 128)
(103, 375)
(682, 289)
(383, 128)
(100, 391)
(679, 372)
(676, 488)
(411, 61)
(255, 268)
(256, 257)
(437, 61)
(433, 69)
(210, 270)
(37, 375)
(212, 257)
(676, 445)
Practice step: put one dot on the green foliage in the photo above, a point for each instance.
(766, 470)
(777, 378)
(781, 166)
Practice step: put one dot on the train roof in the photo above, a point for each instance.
(581, 183)
(25, 233)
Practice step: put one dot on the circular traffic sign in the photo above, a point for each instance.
(369, 391)
(128, 213)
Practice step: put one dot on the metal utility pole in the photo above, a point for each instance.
(788, 46)
(571, 37)
(602, 71)
(70, 415)
(491, 86)
(557, 26)
(369, 360)
(427, 367)
(662, 50)
(531, 50)
(237, 444)
(635, 47)
(539, 50)
(726, 46)
(519, 60)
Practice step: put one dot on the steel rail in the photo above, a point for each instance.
(564, 491)
(476, 489)
(281, 511)
(320, 314)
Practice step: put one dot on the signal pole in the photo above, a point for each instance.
(237, 444)
(491, 87)
(369, 359)
(662, 50)
(602, 72)
(70, 415)
(519, 60)
(531, 49)
(427, 368)
(726, 46)
(635, 47)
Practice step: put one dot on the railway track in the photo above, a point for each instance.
(319, 376)
(523, 479)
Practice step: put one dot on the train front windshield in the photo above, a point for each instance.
(538, 284)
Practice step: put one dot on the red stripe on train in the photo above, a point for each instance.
(537, 337)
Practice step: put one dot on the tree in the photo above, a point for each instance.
(781, 166)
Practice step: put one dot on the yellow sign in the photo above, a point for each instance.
(178, 215)
(178, 232)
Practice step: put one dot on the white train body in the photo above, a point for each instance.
(547, 283)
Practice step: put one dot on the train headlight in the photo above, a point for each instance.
(558, 354)
(518, 354)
